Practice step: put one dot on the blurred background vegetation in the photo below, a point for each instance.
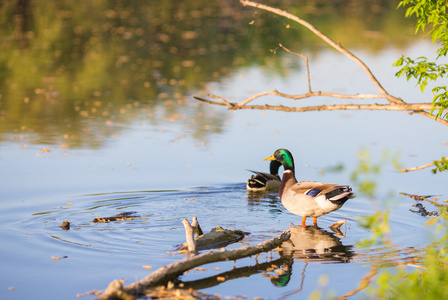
(71, 69)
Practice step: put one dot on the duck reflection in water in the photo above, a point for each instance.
(311, 244)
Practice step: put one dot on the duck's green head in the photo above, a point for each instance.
(284, 157)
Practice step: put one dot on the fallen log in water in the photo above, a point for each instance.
(163, 275)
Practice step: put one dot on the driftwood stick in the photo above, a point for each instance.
(167, 273)
(189, 235)
(196, 226)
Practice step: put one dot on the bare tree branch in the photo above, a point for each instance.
(395, 104)
(329, 41)
(395, 107)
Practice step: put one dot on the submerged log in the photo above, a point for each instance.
(124, 216)
(217, 238)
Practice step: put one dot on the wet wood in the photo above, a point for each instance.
(217, 238)
(166, 273)
(65, 225)
(124, 216)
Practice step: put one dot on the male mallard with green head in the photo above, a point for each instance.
(308, 198)
(265, 181)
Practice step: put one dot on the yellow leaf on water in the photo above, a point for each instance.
(56, 258)
(431, 221)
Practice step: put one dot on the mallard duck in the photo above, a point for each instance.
(265, 181)
(308, 198)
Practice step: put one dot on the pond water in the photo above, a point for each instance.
(77, 149)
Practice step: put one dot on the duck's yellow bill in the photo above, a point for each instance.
(270, 158)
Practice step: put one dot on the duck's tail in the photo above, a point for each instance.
(339, 194)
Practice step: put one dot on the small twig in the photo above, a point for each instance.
(424, 198)
(417, 168)
(306, 62)
(336, 227)
(229, 105)
(421, 167)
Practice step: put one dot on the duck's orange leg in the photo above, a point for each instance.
(315, 221)
(304, 222)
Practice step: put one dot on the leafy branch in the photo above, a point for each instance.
(434, 14)
(425, 71)
(431, 13)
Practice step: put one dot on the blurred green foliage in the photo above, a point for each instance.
(378, 223)
(368, 172)
(427, 280)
